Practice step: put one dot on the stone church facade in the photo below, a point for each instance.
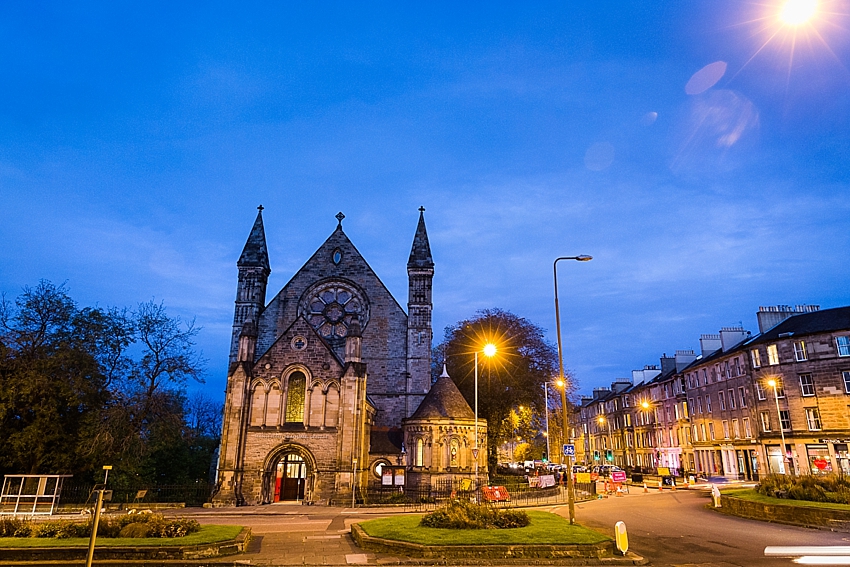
(322, 377)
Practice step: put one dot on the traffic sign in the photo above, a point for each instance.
(569, 450)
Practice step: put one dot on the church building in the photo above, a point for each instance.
(325, 381)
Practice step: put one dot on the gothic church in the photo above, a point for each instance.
(323, 379)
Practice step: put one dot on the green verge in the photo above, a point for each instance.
(207, 534)
(545, 529)
(752, 495)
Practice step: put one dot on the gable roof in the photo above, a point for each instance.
(824, 321)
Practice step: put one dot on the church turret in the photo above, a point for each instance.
(247, 342)
(420, 273)
(254, 273)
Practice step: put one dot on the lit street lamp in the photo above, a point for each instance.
(775, 385)
(489, 351)
(571, 498)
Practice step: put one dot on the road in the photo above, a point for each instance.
(676, 529)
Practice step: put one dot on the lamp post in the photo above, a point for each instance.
(546, 414)
(774, 384)
(571, 499)
(490, 351)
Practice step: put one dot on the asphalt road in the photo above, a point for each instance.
(676, 529)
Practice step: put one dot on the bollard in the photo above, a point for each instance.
(621, 537)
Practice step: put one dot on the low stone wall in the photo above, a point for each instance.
(836, 520)
(128, 553)
(393, 547)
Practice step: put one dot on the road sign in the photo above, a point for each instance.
(569, 450)
(475, 453)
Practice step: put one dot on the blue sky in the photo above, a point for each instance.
(137, 140)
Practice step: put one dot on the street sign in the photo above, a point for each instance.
(475, 453)
(569, 450)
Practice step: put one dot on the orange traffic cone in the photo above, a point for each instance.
(673, 485)
(660, 486)
(645, 489)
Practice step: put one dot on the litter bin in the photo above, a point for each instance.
(668, 481)
(637, 478)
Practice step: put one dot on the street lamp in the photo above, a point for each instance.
(571, 498)
(489, 351)
(601, 420)
(773, 383)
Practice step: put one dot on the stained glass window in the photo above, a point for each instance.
(295, 398)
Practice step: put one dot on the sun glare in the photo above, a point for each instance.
(798, 12)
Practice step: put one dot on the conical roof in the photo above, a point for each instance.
(255, 252)
(444, 400)
(420, 252)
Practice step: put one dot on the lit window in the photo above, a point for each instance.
(800, 351)
(295, 398)
(696, 432)
(419, 458)
(785, 420)
(813, 419)
(843, 344)
(807, 385)
(772, 355)
(765, 421)
(754, 355)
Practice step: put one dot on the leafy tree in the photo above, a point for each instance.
(84, 387)
(513, 377)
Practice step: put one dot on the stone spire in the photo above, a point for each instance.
(255, 253)
(420, 252)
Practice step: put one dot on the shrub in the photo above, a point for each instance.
(155, 525)
(13, 527)
(462, 515)
(136, 529)
(826, 488)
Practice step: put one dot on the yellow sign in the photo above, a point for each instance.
(663, 471)
(583, 477)
(466, 485)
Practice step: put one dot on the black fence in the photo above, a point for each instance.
(81, 494)
(424, 498)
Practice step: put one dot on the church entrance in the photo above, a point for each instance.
(290, 478)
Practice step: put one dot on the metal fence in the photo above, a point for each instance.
(424, 498)
(189, 494)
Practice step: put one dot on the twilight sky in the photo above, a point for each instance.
(698, 149)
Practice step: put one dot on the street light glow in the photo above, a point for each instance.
(771, 383)
(644, 404)
(559, 383)
(490, 349)
(601, 419)
(798, 12)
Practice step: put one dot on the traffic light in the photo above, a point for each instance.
(609, 455)
(595, 455)
(545, 457)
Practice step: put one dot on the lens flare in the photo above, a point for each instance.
(798, 12)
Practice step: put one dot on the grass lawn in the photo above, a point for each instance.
(207, 534)
(749, 494)
(545, 528)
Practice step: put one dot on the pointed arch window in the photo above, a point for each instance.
(419, 455)
(295, 393)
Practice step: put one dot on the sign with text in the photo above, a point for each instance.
(618, 476)
(583, 477)
(663, 471)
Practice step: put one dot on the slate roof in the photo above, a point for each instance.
(255, 252)
(824, 321)
(444, 400)
(420, 252)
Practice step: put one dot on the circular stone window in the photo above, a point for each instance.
(329, 307)
(298, 343)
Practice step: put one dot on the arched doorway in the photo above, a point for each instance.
(290, 480)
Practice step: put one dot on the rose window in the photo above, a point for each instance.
(330, 308)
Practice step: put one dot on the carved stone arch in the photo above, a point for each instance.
(270, 469)
(289, 405)
(333, 405)
(257, 403)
